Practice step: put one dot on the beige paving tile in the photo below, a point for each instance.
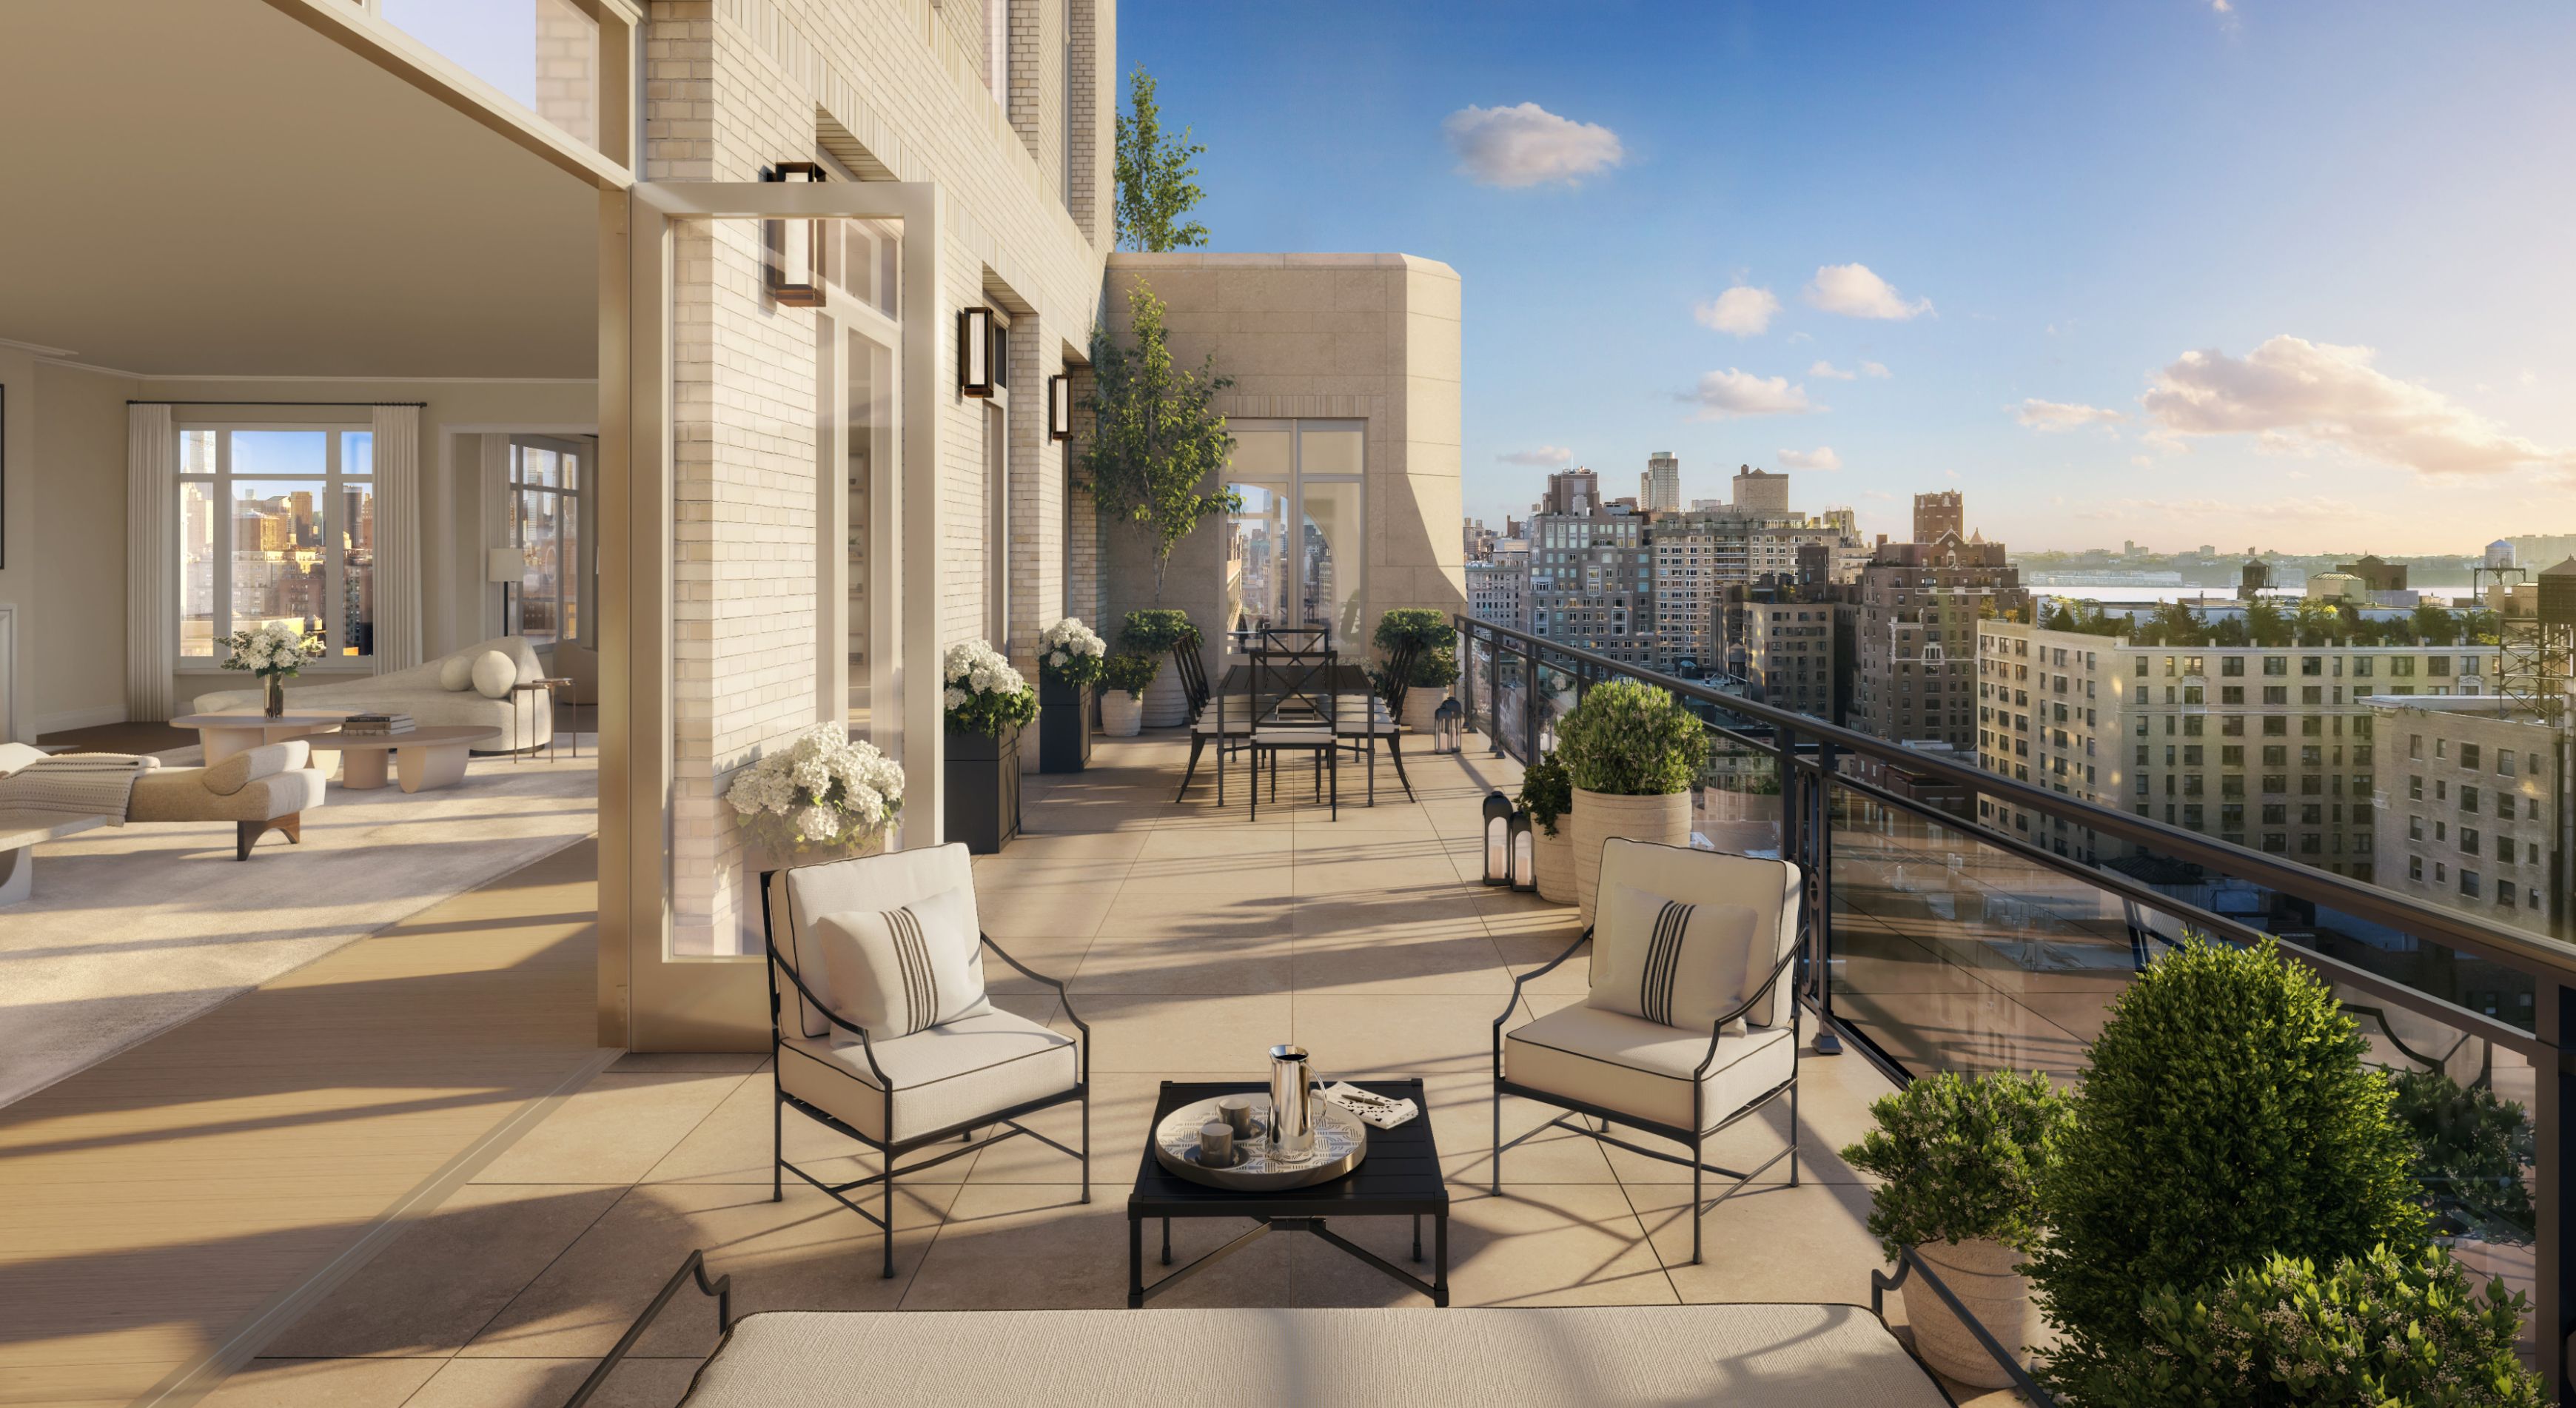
(1122, 1111)
(546, 1383)
(1462, 1123)
(703, 1062)
(1435, 914)
(1418, 877)
(1011, 1246)
(1160, 1034)
(612, 1130)
(733, 1145)
(1106, 851)
(1772, 1242)
(1015, 912)
(1255, 963)
(1536, 1244)
(1212, 911)
(1400, 964)
(1410, 1035)
(1834, 1094)
(445, 1278)
(806, 1252)
(321, 1383)
(1057, 956)
(1195, 847)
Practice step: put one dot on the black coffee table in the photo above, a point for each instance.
(1399, 1178)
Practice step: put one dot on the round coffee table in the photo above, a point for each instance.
(232, 731)
(424, 758)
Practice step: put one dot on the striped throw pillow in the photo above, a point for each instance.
(898, 971)
(1680, 965)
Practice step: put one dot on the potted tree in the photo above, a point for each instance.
(1960, 1157)
(1435, 659)
(1632, 752)
(1547, 794)
(1159, 632)
(821, 797)
(1069, 659)
(987, 701)
(1124, 679)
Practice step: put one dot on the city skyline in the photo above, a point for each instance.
(2266, 276)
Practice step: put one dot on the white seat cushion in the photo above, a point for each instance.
(1642, 1068)
(944, 1077)
(1293, 735)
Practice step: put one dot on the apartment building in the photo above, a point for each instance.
(1939, 513)
(1498, 585)
(2474, 810)
(1659, 489)
(1787, 650)
(1916, 649)
(1592, 584)
(2267, 747)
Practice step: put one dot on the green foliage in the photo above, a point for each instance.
(2375, 1330)
(1631, 740)
(2472, 1147)
(2226, 1116)
(1961, 1156)
(1157, 440)
(1434, 639)
(2435, 626)
(1547, 792)
(1158, 630)
(989, 711)
(1131, 672)
(1157, 185)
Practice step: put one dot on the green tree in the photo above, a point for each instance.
(2435, 626)
(1157, 185)
(1157, 440)
(2266, 622)
(2316, 619)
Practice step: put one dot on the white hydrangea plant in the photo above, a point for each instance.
(1070, 651)
(984, 692)
(821, 791)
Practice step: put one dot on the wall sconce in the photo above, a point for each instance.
(1059, 408)
(795, 247)
(1448, 727)
(1499, 812)
(975, 352)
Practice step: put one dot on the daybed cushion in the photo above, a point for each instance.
(1696, 876)
(944, 1077)
(493, 674)
(417, 691)
(801, 894)
(1643, 1068)
(1668, 961)
(179, 794)
(456, 673)
(14, 756)
(899, 970)
(236, 772)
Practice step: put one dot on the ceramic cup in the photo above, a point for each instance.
(1236, 1111)
(1216, 1145)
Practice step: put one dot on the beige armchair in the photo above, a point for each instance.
(265, 789)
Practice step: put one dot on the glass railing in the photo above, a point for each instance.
(543, 55)
(1945, 946)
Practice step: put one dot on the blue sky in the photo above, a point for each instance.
(2354, 218)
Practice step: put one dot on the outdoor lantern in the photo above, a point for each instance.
(1446, 724)
(1524, 854)
(795, 246)
(975, 352)
(1499, 812)
(1059, 408)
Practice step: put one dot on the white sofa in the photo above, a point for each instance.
(525, 721)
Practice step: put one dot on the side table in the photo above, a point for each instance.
(554, 736)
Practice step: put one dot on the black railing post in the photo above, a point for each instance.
(1529, 703)
(2554, 1144)
(1820, 900)
(1467, 675)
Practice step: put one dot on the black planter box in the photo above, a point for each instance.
(1064, 725)
(982, 777)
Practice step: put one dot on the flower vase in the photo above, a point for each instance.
(275, 704)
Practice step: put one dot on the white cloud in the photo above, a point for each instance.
(1738, 393)
(1855, 292)
(1829, 370)
(1741, 310)
(2302, 396)
(1820, 458)
(1545, 456)
(1875, 369)
(2063, 415)
(1526, 145)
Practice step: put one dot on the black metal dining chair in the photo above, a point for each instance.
(1295, 709)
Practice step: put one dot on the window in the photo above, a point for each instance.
(545, 518)
(276, 523)
(2469, 755)
(1298, 544)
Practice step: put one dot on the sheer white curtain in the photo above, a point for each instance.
(398, 538)
(151, 561)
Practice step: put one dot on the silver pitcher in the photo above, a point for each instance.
(1292, 1111)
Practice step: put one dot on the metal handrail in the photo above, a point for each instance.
(2529, 953)
(721, 1289)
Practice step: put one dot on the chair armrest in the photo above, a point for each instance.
(1539, 972)
(1717, 1031)
(866, 1047)
(1061, 995)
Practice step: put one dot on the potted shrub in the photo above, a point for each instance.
(1632, 752)
(1124, 678)
(2226, 1117)
(2474, 1152)
(1435, 660)
(1961, 1157)
(821, 797)
(1159, 632)
(1069, 659)
(1547, 794)
(987, 701)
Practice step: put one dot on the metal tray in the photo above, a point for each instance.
(1341, 1141)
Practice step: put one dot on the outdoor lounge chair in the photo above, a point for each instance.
(1682, 1083)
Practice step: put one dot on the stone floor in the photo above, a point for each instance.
(1192, 939)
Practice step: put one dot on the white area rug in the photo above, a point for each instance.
(133, 930)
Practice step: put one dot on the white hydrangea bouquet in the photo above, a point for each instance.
(275, 652)
(820, 792)
(1071, 652)
(984, 691)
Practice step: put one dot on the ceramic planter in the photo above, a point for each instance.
(982, 779)
(1598, 816)
(1552, 858)
(1064, 725)
(1121, 713)
(1980, 1273)
(1419, 703)
(1166, 704)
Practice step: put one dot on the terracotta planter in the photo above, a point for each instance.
(1121, 713)
(1598, 816)
(1980, 1273)
(1552, 857)
(1419, 703)
(1166, 704)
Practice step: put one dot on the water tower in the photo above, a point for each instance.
(2538, 664)
(2254, 579)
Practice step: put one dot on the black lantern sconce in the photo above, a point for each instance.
(1059, 408)
(1448, 723)
(1499, 812)
(795, 247)
(977, 352)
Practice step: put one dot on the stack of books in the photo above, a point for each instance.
(375, 725)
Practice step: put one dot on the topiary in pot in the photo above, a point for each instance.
(1159, 632)
(2380, 1328)
(1124, 678)
(1434, 640)
(1547, 794)
(2226, 1116)
(1961, 1157)
(1632, 752)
